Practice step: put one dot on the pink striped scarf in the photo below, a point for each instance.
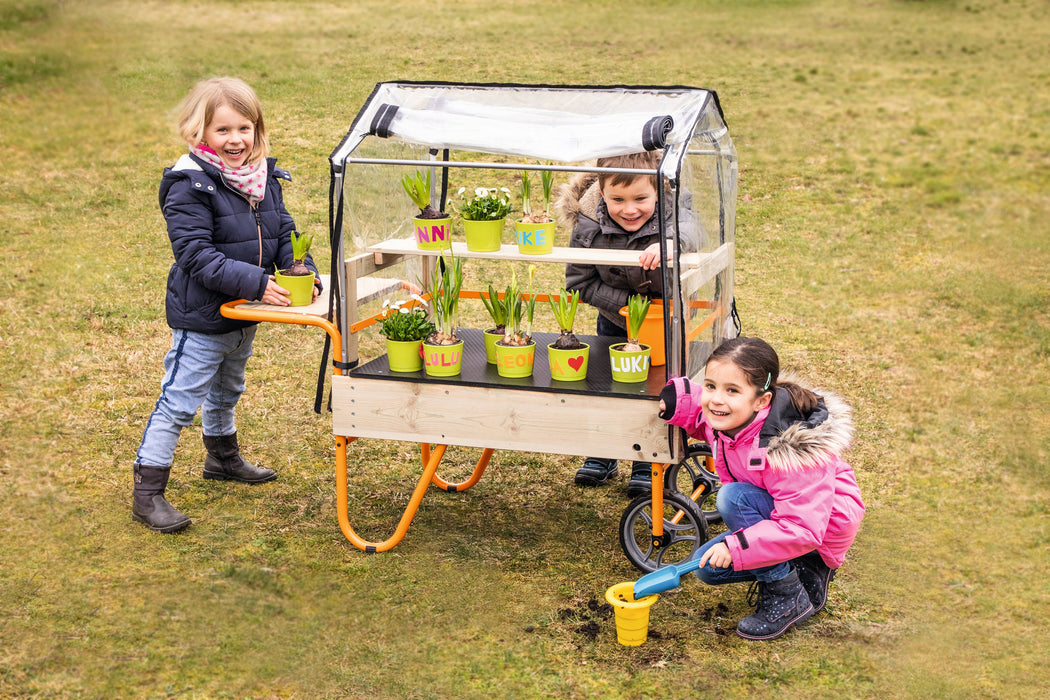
(249, 180)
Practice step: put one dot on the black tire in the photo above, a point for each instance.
(684, 537)
(686, 476)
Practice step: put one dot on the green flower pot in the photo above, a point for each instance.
(568, 365)
(491, 336)
(300, 286)
(404, 355)
(515, 360)
(629, 367)
(433, 234)
(535, 239)
(483, 236)
(443, 360)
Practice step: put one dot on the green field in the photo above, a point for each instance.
(892, 243)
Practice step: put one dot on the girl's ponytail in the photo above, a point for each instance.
(802, 398)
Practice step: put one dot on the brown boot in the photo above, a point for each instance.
(224, 462)
(148, 504)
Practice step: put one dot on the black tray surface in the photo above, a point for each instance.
(477, 371)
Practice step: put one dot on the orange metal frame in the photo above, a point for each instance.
(430, 457)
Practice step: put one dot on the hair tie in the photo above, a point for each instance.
(769, 376)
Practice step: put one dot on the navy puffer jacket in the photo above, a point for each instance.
(224, 249)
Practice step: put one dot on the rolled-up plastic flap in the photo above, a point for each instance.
(655, 131)
(381, 121)
(538, 133)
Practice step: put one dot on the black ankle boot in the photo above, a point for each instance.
(596, 471)
(148, 504)
(224, 462)
(641, 481)
(780, 604)
(815, 576)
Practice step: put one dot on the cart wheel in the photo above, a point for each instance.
(686, 476)
(684, 527)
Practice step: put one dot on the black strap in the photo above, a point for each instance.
(380, 125)
(335, 227)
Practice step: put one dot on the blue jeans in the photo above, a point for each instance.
(740, 505)
(607, 327)
(200, 371)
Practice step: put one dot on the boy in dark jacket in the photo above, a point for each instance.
(615, 211)
(229, 231)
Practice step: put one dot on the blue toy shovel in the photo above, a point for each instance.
(663, 579)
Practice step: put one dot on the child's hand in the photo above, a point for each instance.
(663, 406)
(650, 257)
(317, 290)
(276, 294)
(718, 557)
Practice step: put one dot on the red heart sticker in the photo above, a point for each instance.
(576, 362)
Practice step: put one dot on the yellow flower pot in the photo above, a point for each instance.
(629, 367)
(483, 236)
(404, 355)
(491, 337)
(535, 239)
(568, 365)
(443, 360)
(433, 234)
(515, 360)
(300, 286)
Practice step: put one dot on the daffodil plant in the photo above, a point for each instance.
(547, 181)
(519, 309)
(498, 308)
(445, 284)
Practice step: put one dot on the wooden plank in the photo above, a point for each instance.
(700, 268)
(706, 265)
(507, 419)
(319, 306)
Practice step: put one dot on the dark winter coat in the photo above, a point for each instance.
(607, 287)
(225, 249)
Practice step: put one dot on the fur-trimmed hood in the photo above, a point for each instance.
(793, 441)
(581, 195)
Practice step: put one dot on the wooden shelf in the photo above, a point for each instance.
(368, 288)
(509, 251)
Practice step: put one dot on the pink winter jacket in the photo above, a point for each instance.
(795, 458)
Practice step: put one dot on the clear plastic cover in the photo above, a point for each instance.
(489, 127)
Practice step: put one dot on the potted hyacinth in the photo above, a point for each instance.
(298, 279)
(483, 216)
(516, 351)
(567, 355)
(630, 360)
(443, 349)
(433, 229)
(499, 310)
(535, 230)
(405, 327)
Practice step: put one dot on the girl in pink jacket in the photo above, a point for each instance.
(791, 504)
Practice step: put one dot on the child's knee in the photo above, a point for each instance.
(728, 496)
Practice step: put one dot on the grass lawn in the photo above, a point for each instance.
(892, 244)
